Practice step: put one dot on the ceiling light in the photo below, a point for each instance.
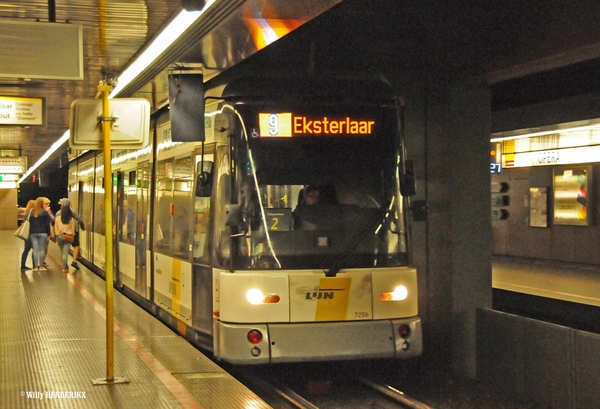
(170, 34)
(55, 146)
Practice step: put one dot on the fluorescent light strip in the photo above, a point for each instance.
(175, 29)
(542, 133)
(171, 33)
(64, 138)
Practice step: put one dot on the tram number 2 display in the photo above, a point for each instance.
(278, 219)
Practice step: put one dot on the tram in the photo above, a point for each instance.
(282, 237)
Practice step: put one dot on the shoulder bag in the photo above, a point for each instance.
(68, 237)
(23, 230)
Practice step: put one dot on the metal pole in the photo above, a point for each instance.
(108, 235)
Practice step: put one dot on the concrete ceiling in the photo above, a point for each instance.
(497, 41)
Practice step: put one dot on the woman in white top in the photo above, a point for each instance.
(64, 228)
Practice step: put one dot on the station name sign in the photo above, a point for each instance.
(287, 124)
(21, 111)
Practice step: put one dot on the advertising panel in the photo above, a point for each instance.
(572, 196)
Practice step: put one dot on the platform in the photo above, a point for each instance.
(53, 344)
(579, 283)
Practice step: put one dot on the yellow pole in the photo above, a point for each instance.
(110, 364)
(110, 350)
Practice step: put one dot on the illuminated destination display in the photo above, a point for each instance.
(286, 124)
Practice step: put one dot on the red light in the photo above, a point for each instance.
(404, 331)
(254, 336)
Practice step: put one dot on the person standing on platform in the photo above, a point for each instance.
(28, 246)
(81, 225)
(64, 224)
(39, 233)
(47, 209)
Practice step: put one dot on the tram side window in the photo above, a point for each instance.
(182, 213)
(162, 216)
(99, 215)
(201, 221)
(222, 238)
(173, 217)
(129, 205)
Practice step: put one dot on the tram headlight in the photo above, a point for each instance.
(400, 293)
(256, 297)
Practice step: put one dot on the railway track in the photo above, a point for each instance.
(350, 393)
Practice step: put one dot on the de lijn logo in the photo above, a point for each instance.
(322, 294)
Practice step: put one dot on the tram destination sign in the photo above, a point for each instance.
(288, 124)
(21, 111)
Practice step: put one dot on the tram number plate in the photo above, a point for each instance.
(278, 219)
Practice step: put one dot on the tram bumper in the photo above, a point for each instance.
(323, 341)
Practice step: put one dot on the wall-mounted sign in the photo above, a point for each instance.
(538, 207)
(33, 49)
(13, 165)
(572, 196)
(495, 167)
(499, 187)
(499, 214)
(568, 156)
(9, 178)
(8, 185)
(21, 111)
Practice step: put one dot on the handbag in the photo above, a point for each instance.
(68, 237)
(23, 230)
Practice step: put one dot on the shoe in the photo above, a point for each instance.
(46, 266)
(25, 268)
(75, 265)
(42, 268)
(65, 271)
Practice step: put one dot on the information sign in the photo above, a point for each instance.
(21, 111)
(13, 165)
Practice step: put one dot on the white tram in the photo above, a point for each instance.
(216, 237)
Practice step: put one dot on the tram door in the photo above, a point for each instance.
(82, 206)
(142, 212)
(117, 205)
(126, 221)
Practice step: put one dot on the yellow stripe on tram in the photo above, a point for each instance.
(332, 299)
(176, 287)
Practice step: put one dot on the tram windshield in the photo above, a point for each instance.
(327, 202)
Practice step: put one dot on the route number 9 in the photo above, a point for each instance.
(273, 125)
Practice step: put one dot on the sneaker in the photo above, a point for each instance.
(65, 271)
(42, 269)
(46, 266)
(75, 265)
(25, 268)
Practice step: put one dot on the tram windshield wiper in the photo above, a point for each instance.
(379, 215)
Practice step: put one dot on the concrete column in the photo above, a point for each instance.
(448, 127)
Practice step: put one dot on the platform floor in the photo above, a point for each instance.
(577, 283)
(53, 344)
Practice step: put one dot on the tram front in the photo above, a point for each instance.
(311, 241)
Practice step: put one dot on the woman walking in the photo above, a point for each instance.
(39, 233)
(64, 229)
(28, 246)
